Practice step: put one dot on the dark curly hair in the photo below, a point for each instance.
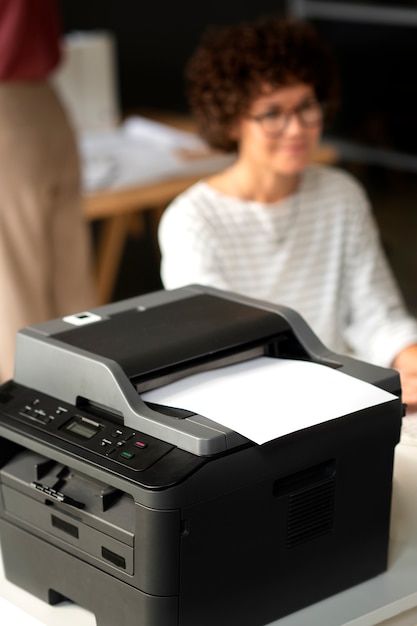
(232, 64)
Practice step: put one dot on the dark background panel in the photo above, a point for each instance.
(154, 40)
(378, 92)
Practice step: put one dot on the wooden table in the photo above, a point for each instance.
(120, 212)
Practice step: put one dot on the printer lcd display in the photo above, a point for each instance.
(82, 427)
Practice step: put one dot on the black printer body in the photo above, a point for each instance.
(154, 516)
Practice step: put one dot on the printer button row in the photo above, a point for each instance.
(137, 443)
(60, 410)
(125, 435)
(125, 454)
(106, 442)
(36, 415)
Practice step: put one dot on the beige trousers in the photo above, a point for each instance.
(45, 255)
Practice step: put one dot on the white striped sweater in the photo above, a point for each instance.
(317, 251)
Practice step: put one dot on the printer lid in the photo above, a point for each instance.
(147, 342)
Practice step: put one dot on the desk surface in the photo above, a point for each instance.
(392, 596)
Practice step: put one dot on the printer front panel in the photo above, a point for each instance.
(73, 426)
(94, 438)
(94, 522)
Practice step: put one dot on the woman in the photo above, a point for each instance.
(273, 226)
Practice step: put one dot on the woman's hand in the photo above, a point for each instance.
(406, 364)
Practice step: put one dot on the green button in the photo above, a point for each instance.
(127, 455)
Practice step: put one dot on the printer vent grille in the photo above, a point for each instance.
(310, 512)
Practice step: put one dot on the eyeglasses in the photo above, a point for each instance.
(274, 122)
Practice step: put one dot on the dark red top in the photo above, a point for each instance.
(29, 39)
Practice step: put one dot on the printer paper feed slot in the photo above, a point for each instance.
(266, 398)
(100, 527)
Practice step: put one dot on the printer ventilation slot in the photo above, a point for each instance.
(310, 496)
(310, 513)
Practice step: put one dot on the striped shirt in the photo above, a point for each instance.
(317, 251)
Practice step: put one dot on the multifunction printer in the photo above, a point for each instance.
(155, 515)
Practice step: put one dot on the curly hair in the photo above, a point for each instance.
(232, 65)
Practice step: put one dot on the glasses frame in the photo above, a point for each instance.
(260, 119)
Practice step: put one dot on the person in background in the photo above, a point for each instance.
(274, 226)
(45, 255)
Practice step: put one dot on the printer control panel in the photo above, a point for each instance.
(118, 443)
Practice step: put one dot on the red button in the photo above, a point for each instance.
(140, 444)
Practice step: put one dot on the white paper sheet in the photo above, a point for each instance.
(141, 152)
(145, 129)
(265, 398)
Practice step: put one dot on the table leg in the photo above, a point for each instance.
(111, 243)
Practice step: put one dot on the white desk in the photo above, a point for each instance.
(389, 599)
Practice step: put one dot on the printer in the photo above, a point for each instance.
(151, 515)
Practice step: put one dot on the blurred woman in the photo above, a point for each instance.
(273, 226)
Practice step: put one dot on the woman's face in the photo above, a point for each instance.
(281, 130)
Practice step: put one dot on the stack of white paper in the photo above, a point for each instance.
(141, 152)
(265, 398)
